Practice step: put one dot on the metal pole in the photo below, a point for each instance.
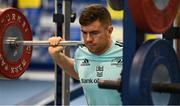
(44, 43)
(166, 87)
(129, 49)
(66, 32)
(57, 70)
(156, 87)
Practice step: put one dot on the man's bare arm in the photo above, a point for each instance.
(65, 62)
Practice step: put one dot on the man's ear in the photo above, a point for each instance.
(110, 29)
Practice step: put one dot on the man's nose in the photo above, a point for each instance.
(89, 37)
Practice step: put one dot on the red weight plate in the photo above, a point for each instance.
(153, 16)
(10, 68)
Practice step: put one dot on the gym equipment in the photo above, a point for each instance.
(153, 16)
(154, 62)
(140, 17)
(16, 44)
(155, 68)
(14, 61)
(12, 41)
(156, 87)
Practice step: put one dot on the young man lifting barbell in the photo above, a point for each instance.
(100, 58)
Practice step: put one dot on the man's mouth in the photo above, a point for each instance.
(90, 45)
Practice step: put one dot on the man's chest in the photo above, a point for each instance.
(92, 70)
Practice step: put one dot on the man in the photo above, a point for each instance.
(100, 58)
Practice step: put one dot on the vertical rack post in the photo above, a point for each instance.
(66, 34)
(62, 17)
(129, 49)
(57, 70)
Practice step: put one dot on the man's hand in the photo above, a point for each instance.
(54, 48)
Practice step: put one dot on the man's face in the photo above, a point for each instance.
(97, 38)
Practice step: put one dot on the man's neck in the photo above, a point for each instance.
(107, 47)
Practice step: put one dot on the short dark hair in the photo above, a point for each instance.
(95, 12)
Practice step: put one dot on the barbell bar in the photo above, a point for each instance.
(42, 43)
(156, 87)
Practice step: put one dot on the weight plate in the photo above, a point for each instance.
(154, 61)
(153, 16)
(14, 60)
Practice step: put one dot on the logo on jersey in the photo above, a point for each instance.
(120, 44)
(99, 70)
(117, 61)
(85, 62)
(89, 80)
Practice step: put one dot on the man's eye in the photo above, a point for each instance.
(94, 33)
(84, 33)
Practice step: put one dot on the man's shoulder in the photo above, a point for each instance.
(81, 51)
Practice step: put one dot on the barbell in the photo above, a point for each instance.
(16, 43)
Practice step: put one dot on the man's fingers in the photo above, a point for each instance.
(54, 41)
